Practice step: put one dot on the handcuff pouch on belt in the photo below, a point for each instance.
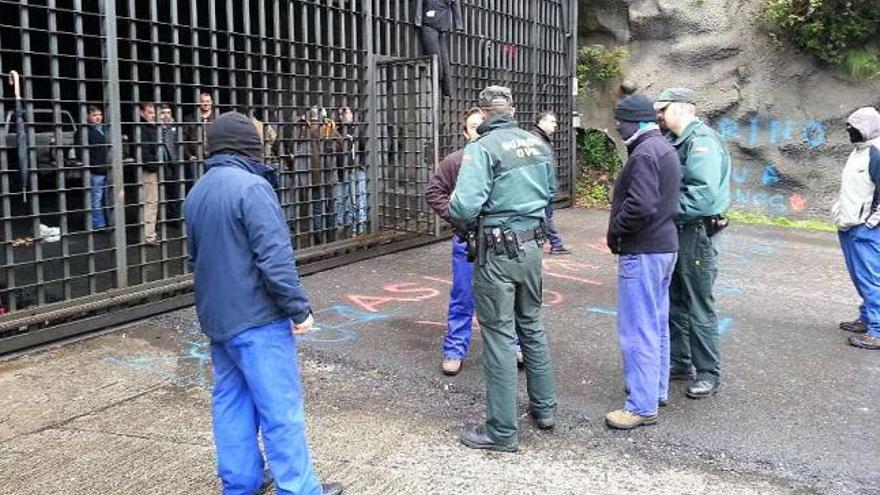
(502, 241)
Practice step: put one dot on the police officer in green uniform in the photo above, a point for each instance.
(506, 180)
(705, 196)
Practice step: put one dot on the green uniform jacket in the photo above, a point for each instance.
(705, 187)
(507, 176)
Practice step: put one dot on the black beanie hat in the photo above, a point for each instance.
(635, 108)
(232, 132)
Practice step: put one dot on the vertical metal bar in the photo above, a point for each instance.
(434, 113)
(372, 118)
(33, 189)
(535, 54)
(230, 33)
(83, 141)
(111, 90)
(248, 56)
(162, 213)
(9, 258)
(60, 190)
(572, 78)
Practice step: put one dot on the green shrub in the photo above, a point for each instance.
(598, 165)
(597, 64)
(862, 65)
(828, 29)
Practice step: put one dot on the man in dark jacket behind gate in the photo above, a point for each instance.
(250, 303)
(641, 230)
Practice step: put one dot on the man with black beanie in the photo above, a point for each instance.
(642, 232)
(250, 303)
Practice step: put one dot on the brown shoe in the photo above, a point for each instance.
(451, 367)
(865, 341)
(855, 326)
(622, 419)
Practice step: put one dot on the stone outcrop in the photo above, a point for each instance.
(782, 114)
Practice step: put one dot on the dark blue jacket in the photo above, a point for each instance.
(645, 199)
(240, 252)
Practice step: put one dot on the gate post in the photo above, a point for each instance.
(372, 122)
(111, 89)
(573, 48)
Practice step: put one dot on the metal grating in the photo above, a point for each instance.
(347, 103)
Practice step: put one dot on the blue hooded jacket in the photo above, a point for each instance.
(240, 251)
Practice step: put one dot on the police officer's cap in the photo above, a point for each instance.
(675, 95)
(494, 96)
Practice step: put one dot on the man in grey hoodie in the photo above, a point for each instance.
(856, 214)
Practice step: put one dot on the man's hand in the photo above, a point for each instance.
(304, 327)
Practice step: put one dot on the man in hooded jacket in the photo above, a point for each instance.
(642, 231)
(856, 214)
(250, 302)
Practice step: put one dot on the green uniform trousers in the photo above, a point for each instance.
(508, 303)
(693, 324)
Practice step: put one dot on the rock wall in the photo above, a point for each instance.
(782, 115)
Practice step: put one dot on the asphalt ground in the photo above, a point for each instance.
(128, 411)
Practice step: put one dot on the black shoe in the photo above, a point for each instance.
(702, 389)
(855, 326)
(560, 251)
(689, 374)
(332, 488)
(663, 402)
(546, 422)
(476, 438)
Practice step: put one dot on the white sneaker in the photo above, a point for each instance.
(50, 234)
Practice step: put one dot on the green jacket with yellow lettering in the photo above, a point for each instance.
(705, 161)
(507, 176)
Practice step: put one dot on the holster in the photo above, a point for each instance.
(715, 224)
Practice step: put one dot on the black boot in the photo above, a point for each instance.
(477, 438)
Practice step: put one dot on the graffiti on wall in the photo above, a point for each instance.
(761, 186)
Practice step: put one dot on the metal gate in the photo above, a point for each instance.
(341, 90)
(407, 114)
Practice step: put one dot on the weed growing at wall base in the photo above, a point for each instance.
(598, 165)
(737, 216)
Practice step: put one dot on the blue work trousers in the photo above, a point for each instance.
(552, 234)
(861, 251)
(461, 303)
(257, 388)
(98, 188)
(643, 325)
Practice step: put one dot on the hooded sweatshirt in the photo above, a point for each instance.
(860, 181)
(239, 242)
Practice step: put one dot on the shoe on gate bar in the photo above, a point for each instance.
(622, 419)
(855, 326)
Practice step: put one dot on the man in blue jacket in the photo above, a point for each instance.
(642, 232)
(250, 302)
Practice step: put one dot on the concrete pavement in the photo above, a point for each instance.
(128, 411)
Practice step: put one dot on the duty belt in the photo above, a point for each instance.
(503, 241)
